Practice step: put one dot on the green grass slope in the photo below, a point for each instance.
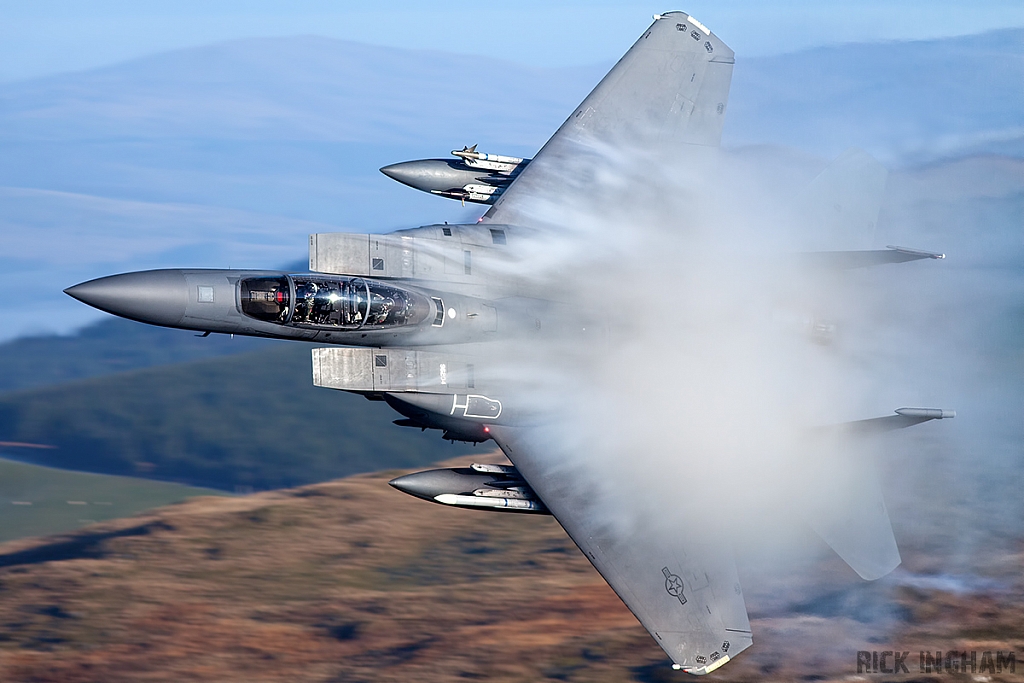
(39, 501)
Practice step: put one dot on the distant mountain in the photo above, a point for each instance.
(907, 102)
(252, 419)
(109, 346)
(228, 155)
(51, 240)
(891, 95)
(297, 88)
(291, 126)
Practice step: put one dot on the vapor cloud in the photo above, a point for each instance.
(711, 355)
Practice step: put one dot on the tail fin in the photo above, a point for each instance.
(855, 523)
(847, 510)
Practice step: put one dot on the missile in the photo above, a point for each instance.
(495, 162)
(494, 469)
(510, 504)
(518, 492)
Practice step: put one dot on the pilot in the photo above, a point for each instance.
(380, 308)
(326, 308)
(303, 302)
(309, 296)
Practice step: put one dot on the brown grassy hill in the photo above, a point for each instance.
(353, 581)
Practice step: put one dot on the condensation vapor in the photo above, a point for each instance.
(710, 353)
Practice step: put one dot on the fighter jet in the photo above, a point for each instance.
(407, 317)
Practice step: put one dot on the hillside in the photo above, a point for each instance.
(39, 501)
(109, 346)
(246, 420)
(353, 581)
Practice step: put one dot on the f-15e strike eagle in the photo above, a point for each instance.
(407, 318)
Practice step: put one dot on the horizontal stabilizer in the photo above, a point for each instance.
(846, 260)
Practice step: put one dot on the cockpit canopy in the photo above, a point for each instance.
(331, 302)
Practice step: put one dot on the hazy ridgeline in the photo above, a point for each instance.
(229, 155)
(252, 420)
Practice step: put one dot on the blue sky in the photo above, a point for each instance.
(51, 36)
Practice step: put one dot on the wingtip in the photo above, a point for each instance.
(920, 253)
(703, 670)
(664, 15)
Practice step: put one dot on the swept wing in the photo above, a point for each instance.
(682, 587)
(666, 96)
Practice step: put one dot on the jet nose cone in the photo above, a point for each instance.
(158, 297)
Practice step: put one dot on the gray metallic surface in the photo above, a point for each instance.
(928, 413)
(397, 370)
(431, 483)
(847, 260)
(433, 175)
(471, 177)
(207, 300)
(159, 297)
(468, 487)
(711, 611)
(667, 96)
(903, 418)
